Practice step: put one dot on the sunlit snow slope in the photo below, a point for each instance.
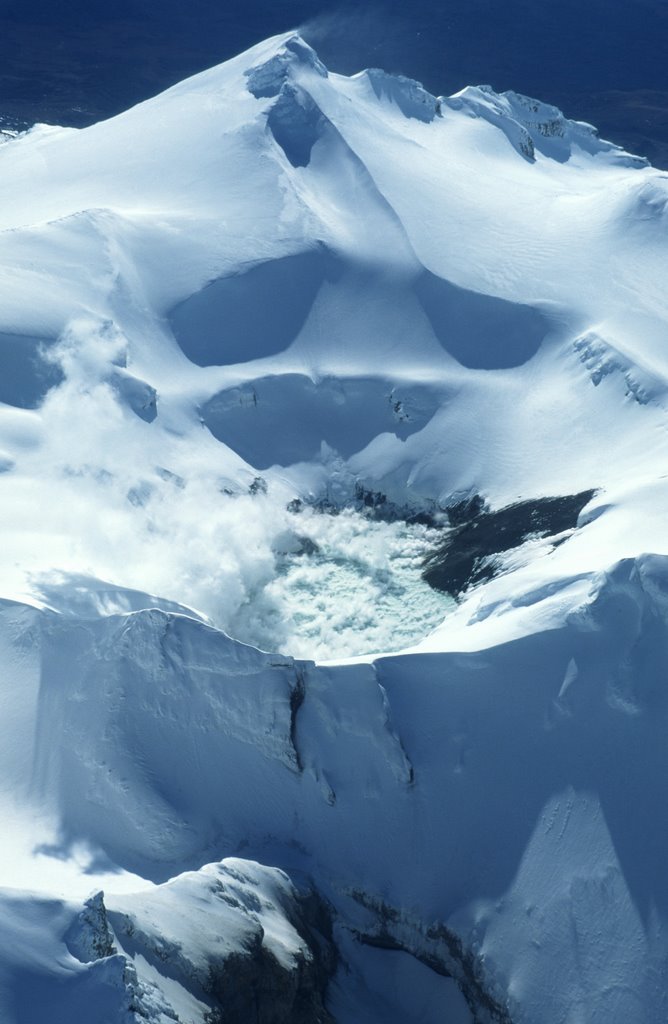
(269, 294)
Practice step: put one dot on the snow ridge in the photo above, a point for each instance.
(531, 125)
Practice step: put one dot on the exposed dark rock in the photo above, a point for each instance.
(369, 499)
(257, 486)
(252, 986)
(257, 988)
(90, 937)
(248, 980)
(376, 505)
(465, 556)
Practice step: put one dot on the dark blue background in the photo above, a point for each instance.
(605, 61)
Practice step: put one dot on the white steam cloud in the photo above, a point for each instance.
(96, 492)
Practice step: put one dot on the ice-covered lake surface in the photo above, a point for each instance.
(345, 585)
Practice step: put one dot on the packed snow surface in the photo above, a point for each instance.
(225, 315)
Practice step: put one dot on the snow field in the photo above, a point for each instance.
(272, 283)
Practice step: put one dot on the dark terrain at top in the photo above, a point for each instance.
(74, 62)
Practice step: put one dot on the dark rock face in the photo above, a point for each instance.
(244, 980)
(252, 986)
(90, 938)
(466, 555)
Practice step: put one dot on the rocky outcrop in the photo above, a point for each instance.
(239, 938)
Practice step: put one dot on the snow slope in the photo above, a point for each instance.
(272, 287)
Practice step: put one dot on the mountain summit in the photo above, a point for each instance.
(334, 576)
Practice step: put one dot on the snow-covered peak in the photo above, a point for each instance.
(267, 341)
(267, 78)
(532, 125)
(267, 240)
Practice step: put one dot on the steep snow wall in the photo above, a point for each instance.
(465, 808)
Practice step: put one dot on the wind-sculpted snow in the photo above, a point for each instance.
(261, 338)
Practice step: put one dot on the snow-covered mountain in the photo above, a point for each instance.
(272, 343)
